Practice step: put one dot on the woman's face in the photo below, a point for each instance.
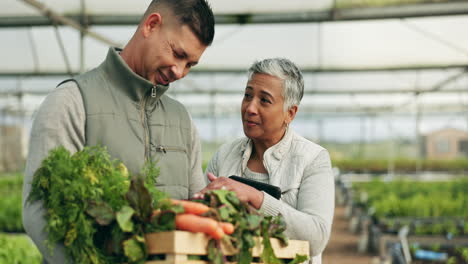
(262, 112)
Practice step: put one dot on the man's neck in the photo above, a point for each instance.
(129, 58)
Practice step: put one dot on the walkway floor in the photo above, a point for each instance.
(342, 247)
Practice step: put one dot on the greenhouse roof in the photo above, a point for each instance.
(319, 36)
(351, 51)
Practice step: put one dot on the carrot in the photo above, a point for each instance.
(192, 207)
(195, 223)
(228, 228)
(155, 213)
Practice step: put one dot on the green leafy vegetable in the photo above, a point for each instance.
(101, 214)
(124, 218)
(134, 249)
(268, 255)
(299, 259)
(249, 223)
(140, 199)
(93, 206)
(101, 211)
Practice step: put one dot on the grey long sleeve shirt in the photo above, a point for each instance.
(61, 121)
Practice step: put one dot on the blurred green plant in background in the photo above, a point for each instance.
(18, 249)
(10, 205)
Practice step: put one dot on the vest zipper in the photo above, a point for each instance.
(161, 148)
(153, 91)
(145, 124)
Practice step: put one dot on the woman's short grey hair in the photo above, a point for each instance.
(286, 70)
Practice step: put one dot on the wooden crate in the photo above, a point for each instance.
(177, 246)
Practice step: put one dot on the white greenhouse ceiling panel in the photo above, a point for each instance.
(439, 42)
(422, 41)
(137, 7)
(269, 6)
(435, 42)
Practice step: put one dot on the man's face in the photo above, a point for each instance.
(170, 51)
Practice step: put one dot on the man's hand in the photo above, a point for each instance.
(244, 192)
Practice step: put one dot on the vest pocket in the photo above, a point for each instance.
(174, 168)
(166, 149)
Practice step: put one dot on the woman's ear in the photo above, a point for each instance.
(291, 114)
(151, 23)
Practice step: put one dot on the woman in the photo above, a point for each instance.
(273, 153)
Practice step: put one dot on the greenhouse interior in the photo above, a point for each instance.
(385, 92)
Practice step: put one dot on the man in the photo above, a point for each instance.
(121, 105)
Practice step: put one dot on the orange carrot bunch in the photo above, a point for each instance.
(193, 221)
(192, 207)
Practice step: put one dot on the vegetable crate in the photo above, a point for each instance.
(177, 247)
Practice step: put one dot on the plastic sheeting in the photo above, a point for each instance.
(137, 7)
(430, 41)
(329, 46)
(340, 45)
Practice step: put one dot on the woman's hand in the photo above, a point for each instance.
(244, 192)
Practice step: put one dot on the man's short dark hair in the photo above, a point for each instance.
(196, 14)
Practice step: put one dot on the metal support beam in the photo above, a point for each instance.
(63, 51)
(343, 111)
(403, 11)
(437, 87)
(34, 52)
(201, 70)
(84, 23)
(55, 18)
(418, 135)
(184, 92)
(331, 15)
(330, 91)
(343, 70)
(320, 112)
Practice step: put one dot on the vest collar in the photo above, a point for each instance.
(127, 81)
